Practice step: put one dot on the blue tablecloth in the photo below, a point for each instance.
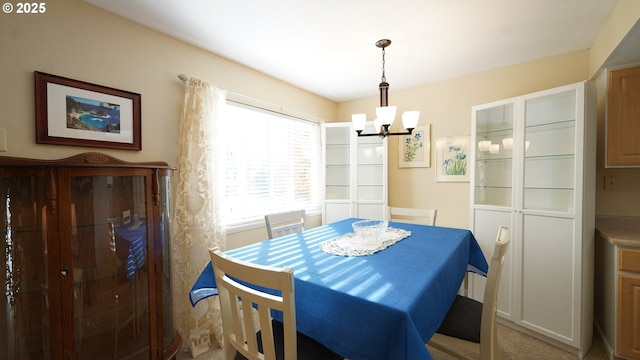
(383, 306)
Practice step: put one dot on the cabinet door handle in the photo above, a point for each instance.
(64, 272)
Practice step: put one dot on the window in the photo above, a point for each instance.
(272, 164)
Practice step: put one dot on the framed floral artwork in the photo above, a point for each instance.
(415, 149)
(452, 159)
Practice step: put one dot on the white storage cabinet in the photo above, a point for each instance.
(533, 169)
(354, 173)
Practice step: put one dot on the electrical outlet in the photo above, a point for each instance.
(609, 183)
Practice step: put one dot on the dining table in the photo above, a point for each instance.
(383, 305)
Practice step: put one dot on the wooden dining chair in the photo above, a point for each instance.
(413, 216)
(249, 331)
(284, 223)
(471, 325)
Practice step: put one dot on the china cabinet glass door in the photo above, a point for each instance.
(547, 221)
(110, 267)
(168, 326)
(355, 173)
(549, 159)
(337, 172)
(337, 163)
(494, 143)
(25, 305)
(371, 188)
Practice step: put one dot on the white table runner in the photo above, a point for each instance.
(351, 244)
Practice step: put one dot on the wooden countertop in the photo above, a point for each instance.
(619, 230)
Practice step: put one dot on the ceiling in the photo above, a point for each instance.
(328, 46)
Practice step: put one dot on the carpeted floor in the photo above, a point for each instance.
(513, 344)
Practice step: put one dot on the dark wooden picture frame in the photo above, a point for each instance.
(78, 113)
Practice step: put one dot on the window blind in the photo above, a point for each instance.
(272, 164)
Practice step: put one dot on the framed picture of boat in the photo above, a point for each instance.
(77, 113)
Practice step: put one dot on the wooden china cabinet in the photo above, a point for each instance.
(86, 259)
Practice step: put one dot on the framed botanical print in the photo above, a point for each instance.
(452, 159)
(415, 150)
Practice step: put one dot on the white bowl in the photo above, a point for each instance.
(370, 230)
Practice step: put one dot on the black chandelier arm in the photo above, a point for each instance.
(385, 132)
(408, 132)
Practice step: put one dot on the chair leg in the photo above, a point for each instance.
(491, 351)
(466, 284)
(448, 351)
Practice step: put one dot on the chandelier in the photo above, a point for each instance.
(385, 114)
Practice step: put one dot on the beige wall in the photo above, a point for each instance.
(76, 40)
(447, 107)
(624, 17)
(625, 200)
(79, 41)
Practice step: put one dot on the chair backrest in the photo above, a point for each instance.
(239, 304)
(488, 331)
(413, 216)
(285, 223)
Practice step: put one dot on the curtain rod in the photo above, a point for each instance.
(270, 106)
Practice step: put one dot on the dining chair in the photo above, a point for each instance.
(413, 216)
(249, 331)
(471, 325)
(284, 223)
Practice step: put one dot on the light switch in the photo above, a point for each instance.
(3, 140)
(609, 183)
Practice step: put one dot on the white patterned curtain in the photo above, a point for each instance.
(197, 222)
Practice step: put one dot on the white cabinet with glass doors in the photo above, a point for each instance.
(533, 169)
(354, 173)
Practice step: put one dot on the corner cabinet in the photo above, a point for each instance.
(354, 173)
(87, 268)
(533, 169)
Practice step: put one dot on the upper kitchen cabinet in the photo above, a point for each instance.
(623, 118)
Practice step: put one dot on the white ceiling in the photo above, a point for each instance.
(328, 46)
